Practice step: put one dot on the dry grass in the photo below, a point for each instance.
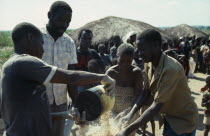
(184, 30)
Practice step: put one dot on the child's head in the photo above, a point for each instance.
(208, 81)
(114, 61)
(117, 40)
(125, 54)
(101, 48)
(96, 66)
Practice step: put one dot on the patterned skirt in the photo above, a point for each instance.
(124, 98)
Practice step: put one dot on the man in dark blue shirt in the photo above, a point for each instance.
(25, 108)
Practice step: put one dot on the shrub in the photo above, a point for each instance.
(5, 38)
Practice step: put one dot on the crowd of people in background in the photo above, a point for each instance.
(188, 50)
(193, 53)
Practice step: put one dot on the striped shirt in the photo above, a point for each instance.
(60, 53)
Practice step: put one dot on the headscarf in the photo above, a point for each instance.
(128, 35)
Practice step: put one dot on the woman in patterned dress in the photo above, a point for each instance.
(129, 79)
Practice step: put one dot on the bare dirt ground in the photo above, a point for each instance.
(195, 84)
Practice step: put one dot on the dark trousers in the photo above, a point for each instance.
(168, 131)
(58, 125)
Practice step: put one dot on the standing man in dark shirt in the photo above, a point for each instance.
(25, 108)
(84, 53)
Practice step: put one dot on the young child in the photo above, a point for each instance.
(93, 66)
(104, 57)
(114, 61)
(206, 104)
(96, 66)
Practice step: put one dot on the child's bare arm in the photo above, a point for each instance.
(203, 89)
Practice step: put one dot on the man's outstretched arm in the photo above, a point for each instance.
(144, 99)
(143, 119)
(81, 78)
(72, 90)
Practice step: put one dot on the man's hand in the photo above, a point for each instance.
(109, 84)
(121, 133)
(73, 114)
(123, 118)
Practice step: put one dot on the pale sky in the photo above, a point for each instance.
(154, 12)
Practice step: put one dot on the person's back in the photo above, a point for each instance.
(29, 105)
(187, 50)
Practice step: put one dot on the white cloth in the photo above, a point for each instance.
(60, 53)
(52, 73)
(68, 127)
(204, 47)
(128, 35)
(192, 67)
(206, 120)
